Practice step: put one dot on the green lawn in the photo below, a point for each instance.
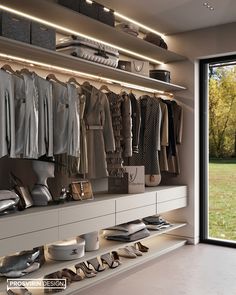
(222, 199)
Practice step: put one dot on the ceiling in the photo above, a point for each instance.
(175, 16)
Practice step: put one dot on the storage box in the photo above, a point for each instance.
(106, 16)
(139, 67)
(91, 241)
(89, 8)
(42, 36)
(136, 181)
(14, 27)
(162, 75)
(72, 4)
(67, 250)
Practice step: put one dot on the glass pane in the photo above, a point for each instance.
(222, 152)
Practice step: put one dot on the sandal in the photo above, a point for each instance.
(126, 253)
(73, 277)
(109, 260)
(116, 257)
(134, 250)
(89, 273)
(96, 264)
(141, 247)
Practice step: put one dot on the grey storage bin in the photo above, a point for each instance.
(106, 17)
(89, 9)
(43, 36)
(14, 27)
(72, 4)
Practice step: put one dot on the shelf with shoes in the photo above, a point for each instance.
(73, 21)
(29, 55)
(105, 247)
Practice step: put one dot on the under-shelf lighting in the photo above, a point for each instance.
(106, 9)
(146, 28)
(78, 73)
(72, 32)
(89, 1)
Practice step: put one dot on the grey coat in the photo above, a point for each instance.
(99, 133)
(7, 118)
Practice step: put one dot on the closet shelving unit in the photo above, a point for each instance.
(37, 226)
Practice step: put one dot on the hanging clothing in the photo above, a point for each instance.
(173, 159)
(66, 119)
(149, 140)
(83, 167)
(114, 159)
(20, 114)
(126, 133)
(99, 132)
(45, 123)
(136, 122)
(7, 115)
(31, 118)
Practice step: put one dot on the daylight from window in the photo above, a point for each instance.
(222, 152)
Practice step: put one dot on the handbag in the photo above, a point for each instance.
(118, 185)
(22, 191)
(139, 67)
(81, 190)
(8, 201)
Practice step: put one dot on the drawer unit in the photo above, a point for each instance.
(28, 241)
(137, 213)
(85, 226)
(135, 201)
(171, 193)
(84, 211)
(171, 205)
(26, 223)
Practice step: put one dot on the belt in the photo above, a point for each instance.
(94, 127)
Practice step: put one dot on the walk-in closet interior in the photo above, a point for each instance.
(98, 142)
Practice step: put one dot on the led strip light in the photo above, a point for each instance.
(72, 32)
(80, 74)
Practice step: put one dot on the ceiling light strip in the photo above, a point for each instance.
(78, 73)
(146, 28)
(72, 32)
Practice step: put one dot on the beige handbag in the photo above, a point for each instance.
(81, 190)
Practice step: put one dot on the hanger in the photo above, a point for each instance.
(104, 87)
(73, 80)
(8, 68)
(25, 71)
(54, 78)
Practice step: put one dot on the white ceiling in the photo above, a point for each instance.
(175, 16)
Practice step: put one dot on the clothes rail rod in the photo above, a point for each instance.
(96, 78)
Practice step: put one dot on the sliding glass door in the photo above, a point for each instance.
(218, 150)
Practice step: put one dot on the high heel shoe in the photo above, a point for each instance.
(96, 264)
(89, 273)
(141, 247)
(109, 260)
(116, 257)
(73, 277)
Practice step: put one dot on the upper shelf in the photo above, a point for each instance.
(37, 54)
(68, 19)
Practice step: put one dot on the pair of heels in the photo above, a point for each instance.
(129, 252)
(112, 260)
(87, 272)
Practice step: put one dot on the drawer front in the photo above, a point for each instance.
(129, 215)
(135, 201)
(27, 223)
(171, 194)
(171, 205)
(28, 241)
(85, 226)
(86, 211)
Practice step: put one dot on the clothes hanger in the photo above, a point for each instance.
(8, 68)
(104, 87)
(73, 80)
(54, 78)
(25, 71)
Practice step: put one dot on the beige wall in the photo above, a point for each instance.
(194, 45)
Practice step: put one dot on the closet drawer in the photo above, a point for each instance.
(137, 213)
(171, 205)
(28, 241)
(171, 193)
(135, 201)
(85, 226)
(86, 211)
(27, 223)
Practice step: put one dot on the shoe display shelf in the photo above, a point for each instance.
(158, 242)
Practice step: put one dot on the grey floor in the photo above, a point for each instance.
(190, 270)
